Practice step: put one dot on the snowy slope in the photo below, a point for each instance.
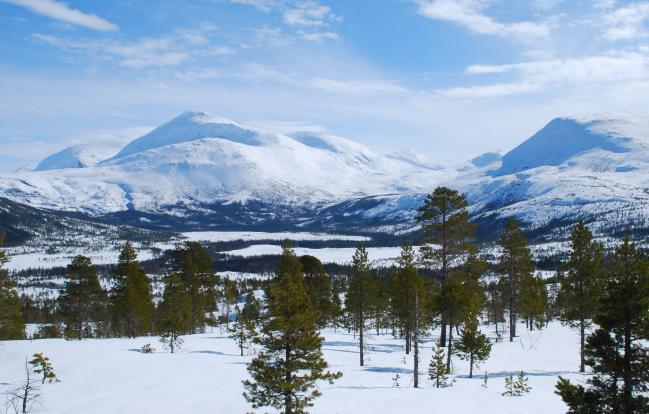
(202, 168)
(79, 156)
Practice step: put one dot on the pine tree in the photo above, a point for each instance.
(357, 301)
(515, 266)
(520, 385)
(445, 222)
(175, 313)
(83, 299)
(229, 294)
(244, 331)
(194, 265)
(534, 301)
(252, 308)
(42, 365)
(437, 371)
(11, 320)
(617, 350)
(581, 287)
(286, 370)
(318, 289)
(131, 298)
(473, 346)
(509, 387)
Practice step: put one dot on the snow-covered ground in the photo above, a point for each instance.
(111, 375)
(223, 236)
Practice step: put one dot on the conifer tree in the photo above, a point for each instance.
(473, 346)
(131, 298)
(229, 294)
(243, 331)
(175, 313)
(42, 365)
(514, 267)
(581, 287)
(318, 289)
(405, 287)
(289, 364)
(520, 385)
(445, 222)
(437, 371)
(83, 299)
(194, 266)
(11, 320)
(534, 301)
(357, 301)
(252, 308)
(617, 350)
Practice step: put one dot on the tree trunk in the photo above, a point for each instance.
(582, 340)
(287, 378)
(450, 348)
(628, 378)
(360, 333)
(471, 366)
(416, 340)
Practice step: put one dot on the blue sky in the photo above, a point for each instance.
(448, 78)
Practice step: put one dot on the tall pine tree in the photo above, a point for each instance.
(286, 370)
(318, 289)
(175, 313)
(581, 287)
(83, 299)
(473, 346)
(358, 299)
(11, 321)
(617, 350)
(515, 266)
(445, 222)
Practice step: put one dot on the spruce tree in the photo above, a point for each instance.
(437, 371)
(581, 287)
(175, 313)
(617, 350)
(357, 301)
(131, 298)
(11, 320)
(473, 346)
(83, 300)
(289, 364)
(318, 289)
(515, 266)
(445, 222)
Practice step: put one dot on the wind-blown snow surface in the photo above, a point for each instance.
(594, 167)
(79, 156)
(110, 376)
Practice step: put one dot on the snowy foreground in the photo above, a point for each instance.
(111, 375)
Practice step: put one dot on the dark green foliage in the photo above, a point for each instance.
(290, 362)
(515, 267)
(194, 265)
(11, 320)
(445, 222)
(318, 289)
(617, 350)
(437, 371)
(473, 346)
(252, 308)
(581, 287)
(534, 301)
(83, 300)
(42, 365)
(244, 331)
(175, 313)
(131, 297)
(359, 295)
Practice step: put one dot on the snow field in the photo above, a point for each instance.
(111, 375)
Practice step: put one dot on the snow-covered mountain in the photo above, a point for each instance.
(201, 170)
(79, 156)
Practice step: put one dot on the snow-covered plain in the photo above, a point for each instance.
(111, 375)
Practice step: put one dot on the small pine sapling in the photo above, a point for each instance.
(395, 380)
(520, 385)
(509, 387)
(147, 349)
(42, 365)
(485, 379)
(437, 371)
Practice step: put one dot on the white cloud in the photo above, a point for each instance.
(549, 74)
(467, 13)
(627, 23)
(357, 86)
(169, 50)
(62, 12)
(319, 36)
(308, 13)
